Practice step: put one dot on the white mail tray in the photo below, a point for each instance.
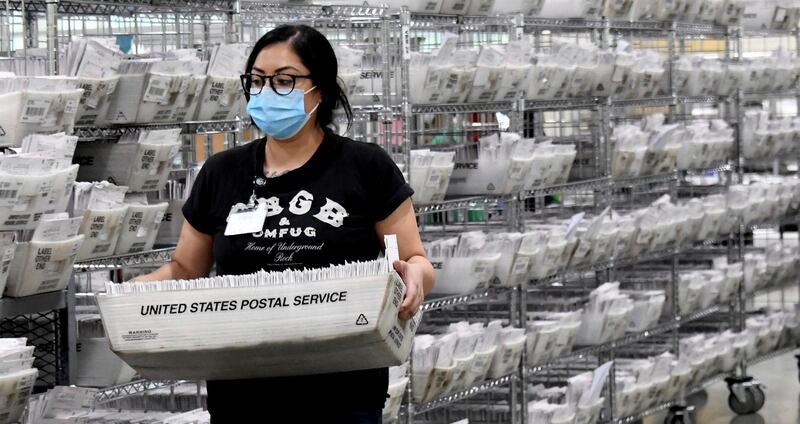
(262, 331)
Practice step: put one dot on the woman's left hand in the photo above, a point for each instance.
(412, 275)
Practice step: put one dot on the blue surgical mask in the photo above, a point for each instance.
(280, 117)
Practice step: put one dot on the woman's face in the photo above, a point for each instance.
(280, 59)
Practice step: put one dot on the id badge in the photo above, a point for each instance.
(244, 219)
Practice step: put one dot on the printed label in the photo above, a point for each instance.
(35, 111)
(244, 304)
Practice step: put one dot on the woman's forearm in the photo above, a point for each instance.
(169, 271)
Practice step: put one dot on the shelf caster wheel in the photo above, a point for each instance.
(679, 415)
(746, 395)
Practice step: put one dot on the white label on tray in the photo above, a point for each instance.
(35, 111)
(157, 89)
(520, 265)
(9, 192)
(8, 254)
(71, 106)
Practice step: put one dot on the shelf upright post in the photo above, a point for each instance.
(6, 18)
(232, 29)
(163, 20)
(516, 203)
(611, 388)
(387, 114)
(178, 44)
(513, 316)
(523, 363)
(52, 37)
(672, 36)
(405, 53)
(405, 106)
(29, 31)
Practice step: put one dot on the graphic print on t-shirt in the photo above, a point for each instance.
(282, 239)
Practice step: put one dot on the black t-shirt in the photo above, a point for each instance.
(319, 214)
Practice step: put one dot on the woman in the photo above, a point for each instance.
(328, 199)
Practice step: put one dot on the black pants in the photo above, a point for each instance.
(311, 414)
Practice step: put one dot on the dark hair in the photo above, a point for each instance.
(316, 53)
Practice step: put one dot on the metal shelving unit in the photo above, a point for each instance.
(394, 33)
(131, 260)
(605, 108)
(132, 389)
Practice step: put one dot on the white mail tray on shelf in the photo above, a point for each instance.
(312, 327)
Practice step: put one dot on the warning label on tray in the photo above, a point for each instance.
(244, 304)
(139, 335)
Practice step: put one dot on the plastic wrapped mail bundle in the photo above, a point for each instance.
(723, 12)
(95, 62)
(647, 308)
(463, 263)
(141, 162)
(266, 324)
(551, 335)
(36, 104)
(706, 144)
(503, 166)
(765, 138)
(579, 402)
(350, 65)
(172, 91)
(37, 181)
(444, 77)
(500, 72)
(398, 382)
(551, 164)
(643, 383)
(17, 377)
(102, 208)
(605, 316)
(771, 14)
(653, 147)
(422, 6)
(221, 97)
(463, 357)
(44, 263)
(696, 75)
(430, 174)
(69, 404)
(361, 75)
(140, 225)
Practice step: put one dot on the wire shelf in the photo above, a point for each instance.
(456, 300)
(143, 259)
(566, 104)
(460, 204)
(125, 7)
(573, 187)
(199, 127)
(134, 388)
(650, 179)
(487, 107)
(465, 394)
(483, 201)
(255, 9)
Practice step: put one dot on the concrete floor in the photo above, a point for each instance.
(781, 407)
(779, 375)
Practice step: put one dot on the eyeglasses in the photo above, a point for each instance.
(282, 84)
